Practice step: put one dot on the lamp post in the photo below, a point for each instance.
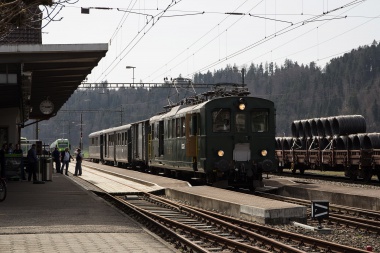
(133, 72)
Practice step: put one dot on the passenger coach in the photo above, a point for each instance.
(224, 141)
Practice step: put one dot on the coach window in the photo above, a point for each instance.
(240, 122)
(174, 128)
(259, 121)
(193, 125)
(169, 128)
(178, 127)
(183, 127)
(221, 120)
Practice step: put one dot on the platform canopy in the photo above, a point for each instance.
(31, 75)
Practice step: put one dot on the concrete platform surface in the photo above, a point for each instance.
(355, 195)
(240, 205)
(61, 216)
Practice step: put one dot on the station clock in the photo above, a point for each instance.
(46, 107)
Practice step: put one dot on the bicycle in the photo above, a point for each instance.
(3, 189)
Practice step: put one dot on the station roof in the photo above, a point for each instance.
(46, 72)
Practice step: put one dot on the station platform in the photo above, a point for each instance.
(236, 204)
(62, 216)
(354, 196)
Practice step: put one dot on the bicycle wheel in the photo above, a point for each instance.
(3, 190)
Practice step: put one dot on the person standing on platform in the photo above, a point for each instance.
(56, 158)
(66, 157)
(33, 163)
(78, 165)
(18, 150)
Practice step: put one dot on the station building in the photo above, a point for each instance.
(37, 79)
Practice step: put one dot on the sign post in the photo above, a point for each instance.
(319, 210)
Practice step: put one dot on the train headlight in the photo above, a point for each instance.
(264, 152)
(241, 107)
(220, 153)
(241, 104)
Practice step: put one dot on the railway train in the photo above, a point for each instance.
(223, 137)
(336, 143)
(61, 144)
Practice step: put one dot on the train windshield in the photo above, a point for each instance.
(221, 119)
(240, 122)
(259, 121)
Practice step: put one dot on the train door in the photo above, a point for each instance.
(129, 144)
(191, 138)
(161, 138)
(116, 139)
(140, 142)
(134, 141)
(105, 145)
(146, 147)
(101, 145)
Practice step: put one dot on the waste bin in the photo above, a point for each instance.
(46, 166)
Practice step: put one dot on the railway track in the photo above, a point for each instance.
(347, 216)
(192, 229)
(333, 177)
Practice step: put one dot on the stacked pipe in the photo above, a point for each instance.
(338, 132)
(329, 126)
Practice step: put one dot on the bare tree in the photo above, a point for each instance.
(27, 15)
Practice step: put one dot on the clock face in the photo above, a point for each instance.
(46, 107)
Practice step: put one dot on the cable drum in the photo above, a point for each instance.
(314, 143)
(323, 142)
(313, 126)
(299, 143)
(341, 142)
(287, 143)
(278, 143)
(354, 141)
(294, 128)
(375, 140)
(348, 124)
(301, 130)
(360, 141)
(320, 127)
(307, 128)
(327, 125)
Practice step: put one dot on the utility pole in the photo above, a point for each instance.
(81, 133)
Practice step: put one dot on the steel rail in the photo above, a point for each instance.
(301, 239)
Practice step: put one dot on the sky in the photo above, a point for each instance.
(166, 39)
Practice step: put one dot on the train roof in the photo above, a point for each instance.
(97, 133)
(123, 127)
(180, 109)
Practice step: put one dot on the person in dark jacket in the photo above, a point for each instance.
(56, 158)
(33, 163)
(78, 165)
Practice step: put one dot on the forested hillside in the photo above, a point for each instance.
(347, 85)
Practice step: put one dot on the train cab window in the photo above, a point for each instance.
(240, 122)
(259, 121)
(221, 120)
